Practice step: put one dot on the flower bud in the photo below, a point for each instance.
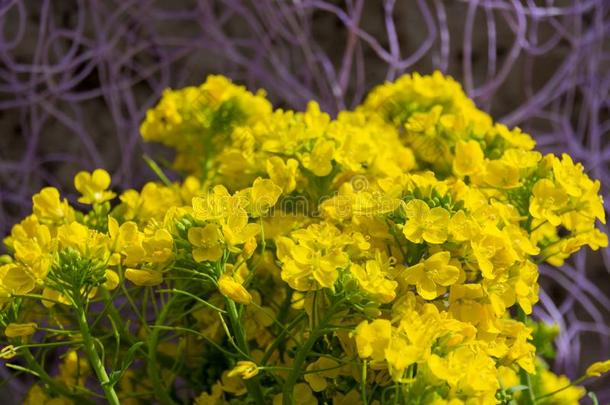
(598, 368)
(234, 290)
(8, 352)
(144, 277)
(20, 329)
(244, 369)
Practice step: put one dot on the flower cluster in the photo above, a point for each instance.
(389, 255)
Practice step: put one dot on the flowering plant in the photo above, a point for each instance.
(387, 256)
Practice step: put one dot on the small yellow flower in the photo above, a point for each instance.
(159, 246)
(547, 200)
(373, 338)
(569, 175)
(556, 384)
(20, 329)
(233, 290)
(501, 175)
(284, 174)
(468, 158)
(466, 367)
(207, 243)
(93, 186)
(598, 368)
(313, 262)
(215, 397)
(319, 162)
(432, 275)
(48, 207)
(144, 277)
(319, 371)
(373, 279)
(425, 224)
(15, 279)
(302, 396)
(244, 369)
(232, 385)
(263, 195)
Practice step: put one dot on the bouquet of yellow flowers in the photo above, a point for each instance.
(388, 256)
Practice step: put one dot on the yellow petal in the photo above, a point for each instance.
(144, 277)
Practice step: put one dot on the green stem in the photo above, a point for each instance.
(153, 368)
(280, 338)
(303, 352)
(114, 315)
(527, 380)
(363, 383)
(55, 385)
(94, 358)
(297, 366)
(155, 168)
(524, 376)
(253, 385)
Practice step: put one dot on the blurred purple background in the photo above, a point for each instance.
(76, 77)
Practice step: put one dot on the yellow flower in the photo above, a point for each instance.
(521, 158)
(20, 329)
(550, 383)
(515, 137)
(207, 243)
(569, 175)
(73, 369)
(284, 174)
(374, 281)
(319, 371)
(233, 385)
(93, 186)
(598, 368)
(351, 398)
(501, 174)
(213, 398)
(126, 240)
(229, 211)
(159, 246)
(493, 251)
(302, 396)
(547, 200)
(470, 303)
(432, 275)
(425, 224)
(16, 279)
(49, 208)
(212, 205)
(263, 195)
(467, 368)
(372, 339)
(462, 228)
(88, 242)
(468, 158)
(244, 369)
(313, 262)
(319, 161)
(233, 290)
(144, 277)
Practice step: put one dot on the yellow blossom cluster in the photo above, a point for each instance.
(388, 255)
